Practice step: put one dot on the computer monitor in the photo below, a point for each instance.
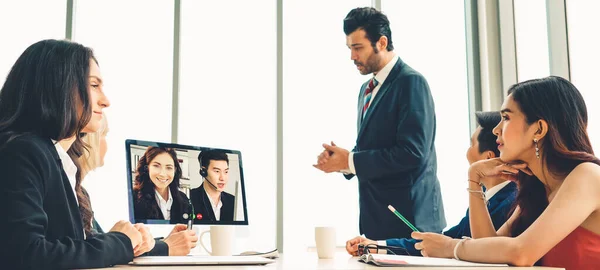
(173, 183)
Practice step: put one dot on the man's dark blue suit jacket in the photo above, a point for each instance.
(395, 157)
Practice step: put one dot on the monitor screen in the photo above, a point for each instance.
(173, 183)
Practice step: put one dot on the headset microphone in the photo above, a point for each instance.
(204, 174)
(203, 171)
(216, 189)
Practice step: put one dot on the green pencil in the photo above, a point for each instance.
(402, 218)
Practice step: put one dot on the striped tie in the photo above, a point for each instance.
(368, 93)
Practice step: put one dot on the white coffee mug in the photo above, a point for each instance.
(325, 240)
(221, 240)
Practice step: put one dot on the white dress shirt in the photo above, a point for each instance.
(488, 195)
(68, 166)
(215, 207)
(165, 206)
(492, 191)
(380, 77)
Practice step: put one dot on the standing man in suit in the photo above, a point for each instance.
(210, 199)
(394, 158)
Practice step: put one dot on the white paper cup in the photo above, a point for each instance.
(325, 240)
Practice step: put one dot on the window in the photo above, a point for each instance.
(584, 57)
(134, 50)
(228, 96)
(438, 51)
(320, 85)
(21, 25)
(531, 34)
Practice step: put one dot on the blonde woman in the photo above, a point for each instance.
(179, 242)
(96, 149)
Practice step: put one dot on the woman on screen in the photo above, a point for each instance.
(156, 192)
(544, 146)
(52, 94)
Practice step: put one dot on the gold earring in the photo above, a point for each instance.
(537, 149)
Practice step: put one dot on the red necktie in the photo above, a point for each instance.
(368, 94)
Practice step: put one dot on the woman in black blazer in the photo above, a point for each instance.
(52, 94)
(157, 179)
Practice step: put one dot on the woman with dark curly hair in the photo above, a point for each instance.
(545, 148)
(156, 191)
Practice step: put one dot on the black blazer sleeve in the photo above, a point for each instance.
(160, 249)
(30, 179)
(202, 205)
(415, 132)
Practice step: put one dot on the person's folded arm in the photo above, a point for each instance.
(482, 222)
(578, 197)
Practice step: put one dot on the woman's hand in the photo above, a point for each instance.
(147, 243)
(495, 167)
(435, 245)
(181, 240)
(126, 228)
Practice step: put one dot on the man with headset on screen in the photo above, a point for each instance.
(210, 199)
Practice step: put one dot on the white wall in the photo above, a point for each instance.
(227, 96)
(320, 85)
(584, 45)
(531, 39)
(132, 41)
(21, 25)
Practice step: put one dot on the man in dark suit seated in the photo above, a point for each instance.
(500, 193)
(394, 158)
(210, 200)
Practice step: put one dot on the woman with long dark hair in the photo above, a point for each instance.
(543, 146)
(156, 191)
(51, 96)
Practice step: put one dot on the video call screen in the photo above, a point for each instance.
(172, 183)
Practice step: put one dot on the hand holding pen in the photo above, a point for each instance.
(181, 240)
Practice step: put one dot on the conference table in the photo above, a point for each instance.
(309, 260)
